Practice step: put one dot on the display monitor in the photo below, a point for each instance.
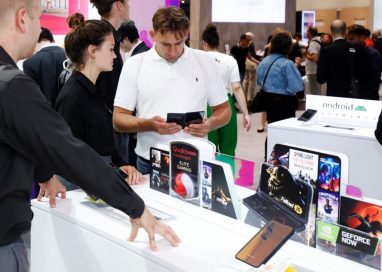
(248, 11)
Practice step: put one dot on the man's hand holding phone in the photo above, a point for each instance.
(159, 124)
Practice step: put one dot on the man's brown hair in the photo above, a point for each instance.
(171, 19)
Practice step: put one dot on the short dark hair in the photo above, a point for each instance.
(211, 36)
(128, 30)
(45, 35)
(171, 19)
(356, 30)
(281, 43)
(104, 6)
(313, 30)
(297, 35)
(243, 37)
(367, 32)
(91, 32)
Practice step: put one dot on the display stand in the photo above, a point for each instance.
(74, 237)
(342, 126)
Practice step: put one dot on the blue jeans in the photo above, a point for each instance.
(16, 256)
(143, 166)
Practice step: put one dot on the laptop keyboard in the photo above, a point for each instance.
(267, 210)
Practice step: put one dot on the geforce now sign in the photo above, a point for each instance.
(358, 240)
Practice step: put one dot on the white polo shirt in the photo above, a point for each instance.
(152, 86)
(228, 69)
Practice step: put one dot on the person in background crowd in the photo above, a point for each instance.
(249, 83)
(89, 47)
(45, 66)
(240, 53)
(326, 39)
(377, 38)
(225, 138)
(282, 82)
(114, 13)
(368, 40)
(296, 53)
(368, 86)
(264, 114)
(131, 45)
(35, 143)
(311, 55)
(129, 40)
(339, 64)
(169, 78)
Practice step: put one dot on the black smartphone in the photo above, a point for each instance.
(185, 119)
(307, 115)
(176, 118)
(265, 243)
(195, 117)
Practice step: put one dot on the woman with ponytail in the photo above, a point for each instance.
(89, 46)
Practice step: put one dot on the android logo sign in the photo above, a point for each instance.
(360, 108)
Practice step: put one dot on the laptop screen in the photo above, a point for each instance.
(292, 193)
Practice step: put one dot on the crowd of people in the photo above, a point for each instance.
(109, 103)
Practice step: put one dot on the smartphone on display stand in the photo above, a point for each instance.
(265, 243)
(307, 115)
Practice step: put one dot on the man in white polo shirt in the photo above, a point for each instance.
(169, 78)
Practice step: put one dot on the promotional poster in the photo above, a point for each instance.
(216, 195)
(328, 206)
(320, 170)
(160, 167)
(362, 216)
(349, 243)
(329, 174)
(184, 174)
(303, 165)
(206, 186)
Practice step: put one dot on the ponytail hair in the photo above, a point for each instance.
(211, 36)
(83, 34)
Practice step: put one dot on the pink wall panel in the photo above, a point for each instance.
(54, 18)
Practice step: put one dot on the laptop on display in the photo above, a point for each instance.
(281, 197)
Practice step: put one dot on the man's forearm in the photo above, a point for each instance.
(124, 122)
(220, 116)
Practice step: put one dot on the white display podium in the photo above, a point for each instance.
(74, 237)
(341, 130)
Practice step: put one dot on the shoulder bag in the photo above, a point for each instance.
(260, 101)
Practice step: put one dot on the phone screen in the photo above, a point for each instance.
(265, 243)
(307, 115)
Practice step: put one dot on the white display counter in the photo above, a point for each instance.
(358, 144)
(74, 237)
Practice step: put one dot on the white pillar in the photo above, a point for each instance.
(376, 14)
